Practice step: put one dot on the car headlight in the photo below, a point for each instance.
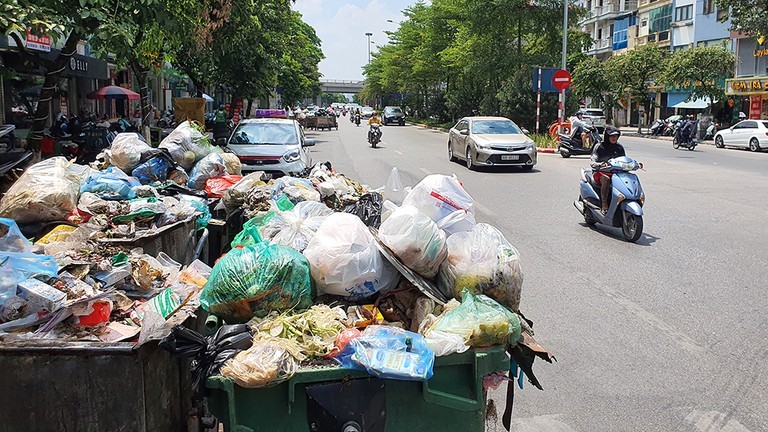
(481, 146)
(292, 156)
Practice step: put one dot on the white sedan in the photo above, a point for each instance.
(752, 134)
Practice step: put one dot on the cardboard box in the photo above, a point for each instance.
(41, 296)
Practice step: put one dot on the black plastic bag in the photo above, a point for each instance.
(208, 354)
(368, 209)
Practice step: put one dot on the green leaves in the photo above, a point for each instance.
(700, 70)
(747, 16)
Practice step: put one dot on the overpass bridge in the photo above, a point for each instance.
(341, 86)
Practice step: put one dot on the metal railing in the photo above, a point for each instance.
(602, 44)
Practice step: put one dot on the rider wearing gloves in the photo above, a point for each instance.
(606, 150)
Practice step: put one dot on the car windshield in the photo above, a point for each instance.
(494, 127)
(265, 133)
(395, 110)
(595, 113)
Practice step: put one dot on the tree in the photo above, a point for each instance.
(590, 80)
(298, 74)
(632, 74)
(699, 70)
(747, 16)
(67, 20)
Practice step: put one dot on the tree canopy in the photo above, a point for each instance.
(747, 16)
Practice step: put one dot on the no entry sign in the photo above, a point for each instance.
(561, 80)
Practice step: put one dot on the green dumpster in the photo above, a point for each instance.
(336, 399)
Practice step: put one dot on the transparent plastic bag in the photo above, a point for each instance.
(391, 353)
(415, 239)
(111, 183)
(265, 364)
(481, 321)
(209, 167)
(233, 164)
(11, 238)
(126, 150)
(234, 197)
(9, 279)
(255, 280)
(187, 145)
(440, 197)
(297, 189)
(483, 262)
(47, 191)
(345, 260)
(394, 190)
(443, 343)
(295, 228)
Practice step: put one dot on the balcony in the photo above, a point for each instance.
(608, 12)
(648, 4)
(601, 46)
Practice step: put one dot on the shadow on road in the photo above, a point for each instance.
(500, 169)
(645, 240)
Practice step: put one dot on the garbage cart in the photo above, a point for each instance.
(337, 399)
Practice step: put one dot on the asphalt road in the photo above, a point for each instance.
(668, 334)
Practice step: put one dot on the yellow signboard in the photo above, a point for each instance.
(761, 52)
(746, 86)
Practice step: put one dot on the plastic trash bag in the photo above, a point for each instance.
(178, 176)
(443, 343)
(9, 279)
(481, 321)
(415, 239)
(111, 183)
(30, 264)
(187, 145)
(394, 190)
(210, 353)
(153, 170)
(440, 197)
(256, 280)
(251, 233)
(265, 364)
(234, 197)
(368, 208)
(11, 238)
(345, 260)
(216, 186)
(210, 166)
(483, 262)
(201, 206)
(126, 150)
(233, 164)
(295, 228)
(47, 191)
(389, 352)
(297, 189)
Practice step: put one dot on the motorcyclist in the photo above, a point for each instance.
(604, 151)
(358, 116)
(687, 130)
(372, 121)
(579, 127)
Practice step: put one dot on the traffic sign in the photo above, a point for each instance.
(561, 80)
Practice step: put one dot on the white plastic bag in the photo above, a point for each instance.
(394, 190)
(234, 197)
(483, 262)
(209, 167)
(443, 343)
(126, 151)
(295, 228)
(345, 261)
(47, 191)
(415, 239)
(443, 199)
(187, 145)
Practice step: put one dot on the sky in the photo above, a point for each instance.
(342, 24)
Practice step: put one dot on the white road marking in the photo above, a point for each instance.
(425, 171)
(399, 152)
(714, 421)
(543, 423)
(485, 209)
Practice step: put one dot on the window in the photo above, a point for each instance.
(765, 124)
(599, 34)
(265, 133)
(683, 13)
(660, 19)
(749, 125)
(709, 7)
(494, 127)
(722, 15)
(620, 29)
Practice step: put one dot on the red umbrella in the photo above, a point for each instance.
(113, 92)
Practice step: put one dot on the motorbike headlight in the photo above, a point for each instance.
(292, 156)
(627, 166)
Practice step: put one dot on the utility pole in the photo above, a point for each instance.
(565, 49)
(369, 34)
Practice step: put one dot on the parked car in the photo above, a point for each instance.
(596, 118)
(393, 114)
(366, 112)
(752, 134)
(491, 141)
(273, 145)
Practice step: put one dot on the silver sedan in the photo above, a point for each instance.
(491, 141)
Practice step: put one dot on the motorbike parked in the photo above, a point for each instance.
(167, 120)
(568, 146)
(658, 127)
(627, 198)
(374, 135)
(711, 131)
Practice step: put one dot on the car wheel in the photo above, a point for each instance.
(470, 162)
(451, 157)
(719, 142)
(754, 145)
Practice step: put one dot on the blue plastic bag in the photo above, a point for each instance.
(155, 169)
(111, 183)
(30, 264)
(202, 207)
(389, 352)
(13, 240)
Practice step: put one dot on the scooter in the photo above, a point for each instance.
(627, 198)
(658, 126)
(374, 136)
(572, 147)
(167, 120)
(690, 143)
(711, 131)
(357, 119)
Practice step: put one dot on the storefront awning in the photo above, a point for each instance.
(701, 103)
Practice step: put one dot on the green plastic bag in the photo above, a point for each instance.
(481, 321)
(251, 235)
(256, 280)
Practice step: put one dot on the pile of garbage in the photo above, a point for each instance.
(327, 272)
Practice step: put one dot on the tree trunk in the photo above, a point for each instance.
(52, 77)
(146, 107)
(248, 109)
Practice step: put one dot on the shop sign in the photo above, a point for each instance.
(763, 52)
(743, 86)
(40, 43)
(78, 65)
(690, 85)
(755, 106)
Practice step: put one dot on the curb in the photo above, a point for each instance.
(546, 150)
(427, 126)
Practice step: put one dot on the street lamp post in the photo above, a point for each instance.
(369, 34)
